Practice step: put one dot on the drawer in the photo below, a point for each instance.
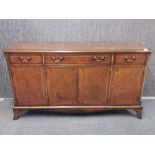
(25, 59)
(78, 59)
(131, 59)
(95, 59)
(62, 59)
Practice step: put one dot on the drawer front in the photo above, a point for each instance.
(25, 59)
(78, 59)
(55, 59)
(130, 59)
(95, 59)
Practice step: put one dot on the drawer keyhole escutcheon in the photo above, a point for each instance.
(98, 59)
(25, 59)
(57, 59)
(130, 59)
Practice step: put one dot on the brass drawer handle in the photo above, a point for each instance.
(130, 59)
(98, 59)
(25, 59)
(57, 59)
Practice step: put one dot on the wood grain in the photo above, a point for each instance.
(126, 85)
(62, 85)
(93, 85)
(75, 47)
(28, 85)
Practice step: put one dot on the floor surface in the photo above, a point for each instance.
(115, 122)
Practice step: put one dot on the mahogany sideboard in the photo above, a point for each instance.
(80, 77)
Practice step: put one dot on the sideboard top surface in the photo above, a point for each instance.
(76, 47)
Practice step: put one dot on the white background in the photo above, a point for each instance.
(82, 9)
(79, 9)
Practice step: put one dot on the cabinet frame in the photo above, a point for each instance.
(78, 108)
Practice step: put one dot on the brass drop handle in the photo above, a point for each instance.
(57, 59)
(98, 59)
(25, 59)
(130, 59)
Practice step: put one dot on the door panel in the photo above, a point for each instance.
(126, 85)
(29, 85)
(94, 85)
(62, 85)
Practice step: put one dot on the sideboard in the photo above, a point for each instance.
(77, 77)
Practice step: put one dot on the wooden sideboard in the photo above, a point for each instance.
(77, 77)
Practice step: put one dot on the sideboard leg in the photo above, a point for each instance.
(139, 113)
(16, 114)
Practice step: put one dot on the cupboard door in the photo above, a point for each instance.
(94, 85)
(126, 85)
(28, 84)
(62, 85)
